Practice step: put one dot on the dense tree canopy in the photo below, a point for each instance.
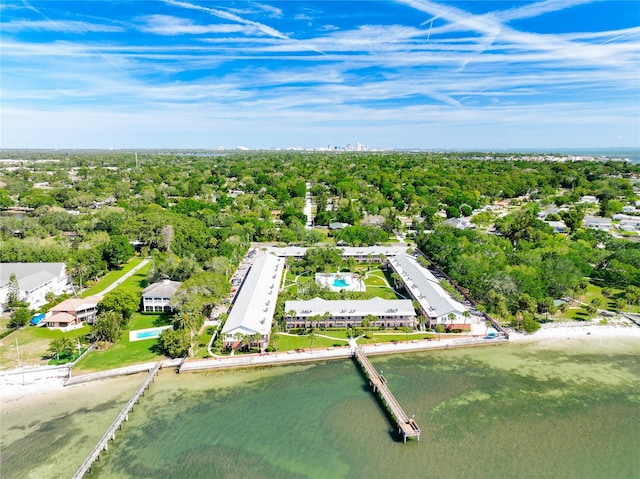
(197, 214)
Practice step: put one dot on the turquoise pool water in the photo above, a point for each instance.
(149, 334)
(340, 283)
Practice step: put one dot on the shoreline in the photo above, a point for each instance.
(13, 389)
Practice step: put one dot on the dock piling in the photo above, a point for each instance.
(110, 434)
(407, 427)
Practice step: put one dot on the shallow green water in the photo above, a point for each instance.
(506, 411)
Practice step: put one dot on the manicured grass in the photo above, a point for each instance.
(122, 353)
(33, 342)
(593, 291)
(375, 278)
(149, 320)
(290, 343)
(382, 292)
(125, 352)
(136, 282)
(112, 277)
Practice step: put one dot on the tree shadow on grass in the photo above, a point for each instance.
(163, 320)
(156, 349)
(581, 316)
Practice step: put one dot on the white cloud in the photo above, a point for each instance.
(169, 25)
(265, 29)
(69, 26)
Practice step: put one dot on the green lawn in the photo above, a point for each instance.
(112, 277)
(122, 353)
(149, 320)
(33, 343)
(137, 282)
(289, 343)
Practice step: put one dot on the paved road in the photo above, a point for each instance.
(143, 263)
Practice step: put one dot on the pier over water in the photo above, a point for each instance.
(407, 427)
(110, 435)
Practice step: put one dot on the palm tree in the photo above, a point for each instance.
(370, 320)
(467, 314)
(79, 271)
(239, 337)
(275, 330)
(326, 317)
(315, 319)
(451, 317)
(61, 345)
(312, 337)
(255, 339)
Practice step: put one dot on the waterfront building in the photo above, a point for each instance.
(436, 305)
(73, 311)
(157, 296)
(255, 302)
(349, 313)
(35, 281)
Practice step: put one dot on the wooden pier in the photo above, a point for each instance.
(102, 445)
(407, 427)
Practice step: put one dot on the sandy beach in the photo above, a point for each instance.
(590, 331)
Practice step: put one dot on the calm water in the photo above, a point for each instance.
(496, 412)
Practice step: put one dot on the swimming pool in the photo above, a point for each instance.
(148, 334)
(340, 283)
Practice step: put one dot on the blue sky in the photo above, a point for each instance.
(388, 74)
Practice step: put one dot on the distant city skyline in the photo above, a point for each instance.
(405, 74)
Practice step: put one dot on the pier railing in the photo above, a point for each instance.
(407, 427)
(102, 445)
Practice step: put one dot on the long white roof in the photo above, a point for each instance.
(425, 287)
(361, 307)
(374, 251)
(255, 302)
(31, 275)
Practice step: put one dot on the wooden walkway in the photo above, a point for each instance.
(407, 427)
(102, 445)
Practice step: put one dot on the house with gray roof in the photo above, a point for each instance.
(597, 223)
(255, 302)
(157, 296)
(35, 281)
(436, 305)
(390, 313)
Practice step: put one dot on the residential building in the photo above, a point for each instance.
(597, 223)
(73, 311)
(35, 281)
(460, 223)
(349, 313)
(255, 303)
(337, 225)
(364, 254)
(157, 296)
(589, 199)
(629, 224)
(558, 226)
(436, 305)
